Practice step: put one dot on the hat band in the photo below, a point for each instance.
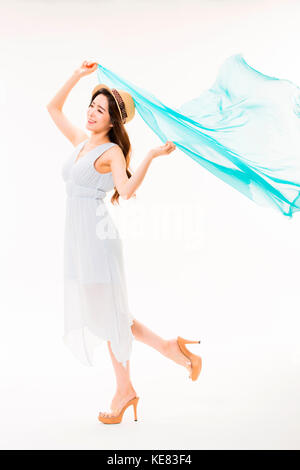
(121, 103)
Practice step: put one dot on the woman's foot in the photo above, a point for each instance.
(174, 352)
(119, 400)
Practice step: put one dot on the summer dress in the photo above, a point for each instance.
(95, 292)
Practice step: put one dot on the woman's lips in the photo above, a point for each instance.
(91, 122)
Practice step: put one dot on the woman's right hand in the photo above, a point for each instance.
(165, 149)
(86, 68)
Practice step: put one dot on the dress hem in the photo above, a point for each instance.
(89, 357)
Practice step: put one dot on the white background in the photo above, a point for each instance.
(233, 284)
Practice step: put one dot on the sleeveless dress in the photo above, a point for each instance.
(95, 291)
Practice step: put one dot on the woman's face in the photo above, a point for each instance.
(98, 118)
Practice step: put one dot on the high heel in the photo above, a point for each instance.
(196, 361)
(117, 419)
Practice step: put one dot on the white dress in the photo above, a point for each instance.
(95, 292)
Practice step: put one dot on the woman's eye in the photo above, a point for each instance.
(91, 106)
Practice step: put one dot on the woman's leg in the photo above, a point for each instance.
(124, 388)
(123, 381)
(168, 348)
(145, 335)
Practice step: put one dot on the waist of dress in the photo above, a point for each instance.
(75, 190)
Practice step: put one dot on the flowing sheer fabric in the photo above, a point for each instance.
(245, 130)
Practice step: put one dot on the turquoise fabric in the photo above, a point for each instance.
(245, 130)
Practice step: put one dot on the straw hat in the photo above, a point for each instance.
(123, 99)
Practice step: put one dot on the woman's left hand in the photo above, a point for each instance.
(163, 149)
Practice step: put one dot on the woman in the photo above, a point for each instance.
(95, 293)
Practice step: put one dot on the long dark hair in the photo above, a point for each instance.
(117, 133)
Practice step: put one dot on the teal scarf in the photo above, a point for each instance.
(245, 130)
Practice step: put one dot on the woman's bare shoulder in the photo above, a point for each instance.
(115, 151)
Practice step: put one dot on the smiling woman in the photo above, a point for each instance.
(96, 307)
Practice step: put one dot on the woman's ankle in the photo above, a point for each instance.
(125, 389)
(167, 347)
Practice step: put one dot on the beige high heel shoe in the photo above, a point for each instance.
(196, 361)
(117, 419)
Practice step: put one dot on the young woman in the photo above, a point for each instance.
(95, 292)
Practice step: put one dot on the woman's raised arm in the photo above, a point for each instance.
(74, 134)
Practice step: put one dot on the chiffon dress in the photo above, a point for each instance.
(95, 292)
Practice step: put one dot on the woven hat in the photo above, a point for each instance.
(123, 99)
